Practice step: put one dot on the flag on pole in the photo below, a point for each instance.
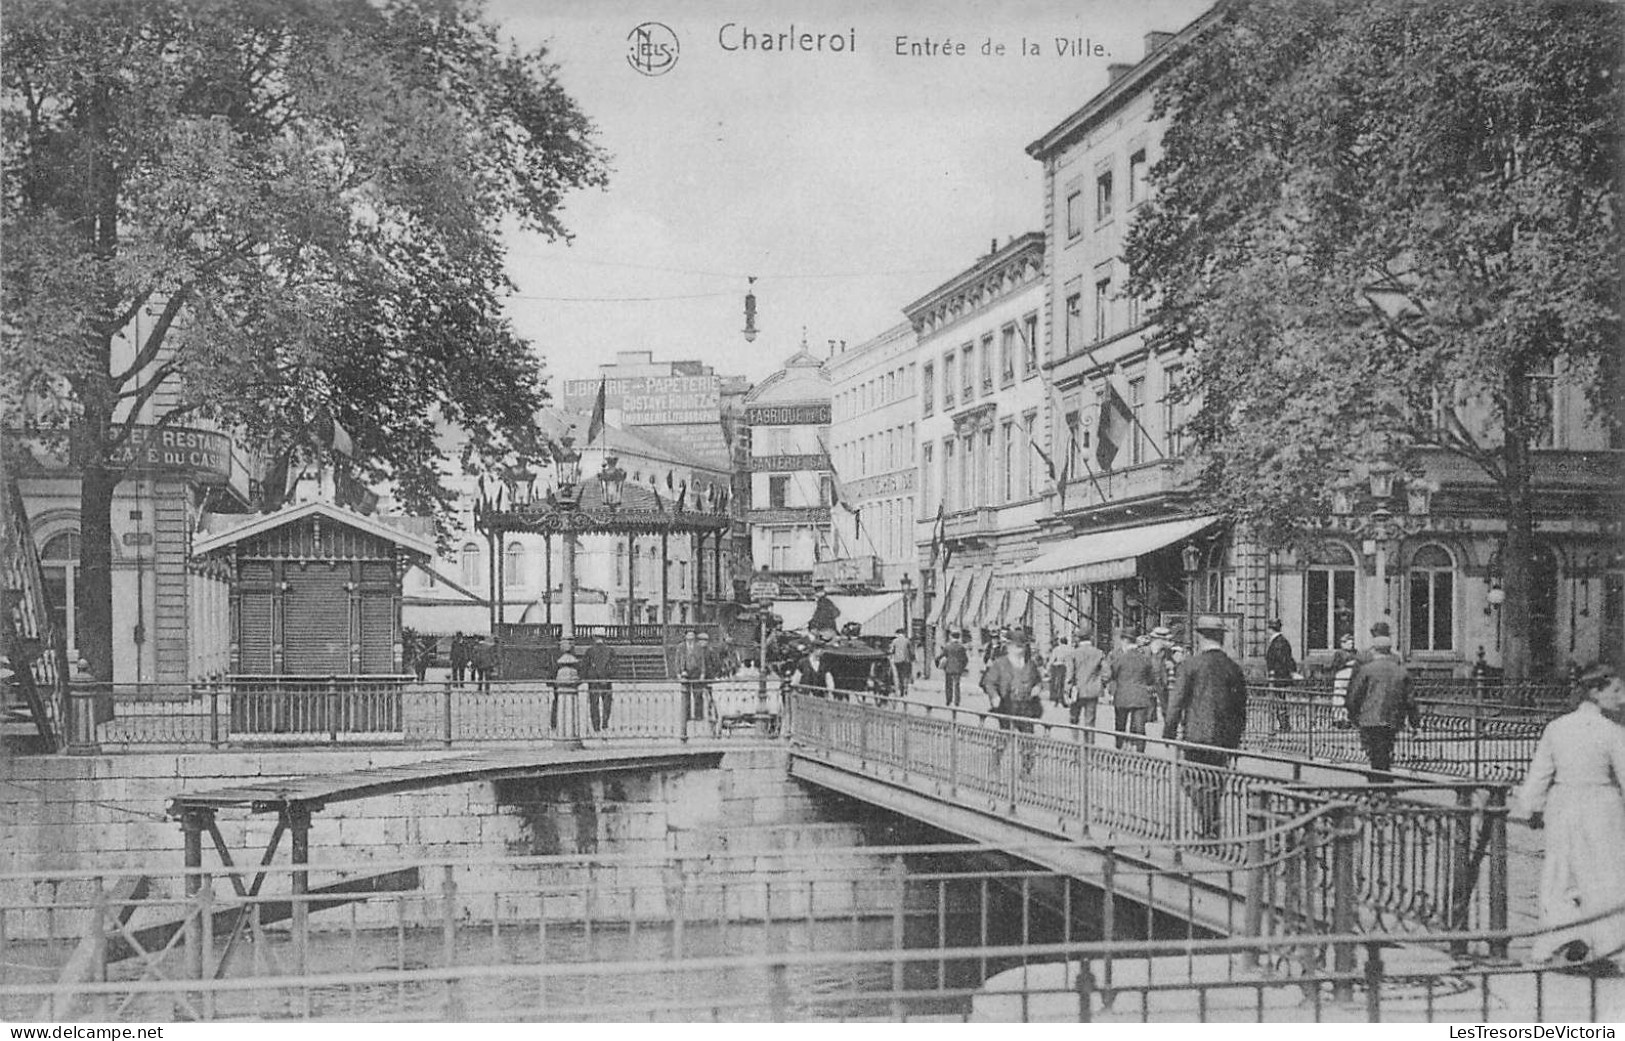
(937, 530)
(1115, 423)
(682, 498)
(595, 425)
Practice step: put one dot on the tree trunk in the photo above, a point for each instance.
(1518, 504)
(95, 582)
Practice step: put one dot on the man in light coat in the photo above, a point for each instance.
(1086, 677)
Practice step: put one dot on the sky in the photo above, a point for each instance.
(849, 183)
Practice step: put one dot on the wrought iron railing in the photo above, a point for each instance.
(1457, 736)
(824, 933)
(1431, 855)
(388, 711)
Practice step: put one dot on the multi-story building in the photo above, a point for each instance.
(791, 486)
(874, 413)
(983, 403)
(1118, 530)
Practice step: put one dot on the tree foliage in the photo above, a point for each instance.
(257, 211)
(1373, 221)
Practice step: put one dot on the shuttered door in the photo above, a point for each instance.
(377, 632)
(316, 621)
(254, 633)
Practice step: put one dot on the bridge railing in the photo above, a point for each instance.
(828, 932)
(1432, 855)
(1461, 733)
(344, 711)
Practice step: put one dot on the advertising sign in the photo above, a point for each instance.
(202, 455)
(789, 415)
(651, 400)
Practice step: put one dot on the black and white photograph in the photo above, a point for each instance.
(1105, 512)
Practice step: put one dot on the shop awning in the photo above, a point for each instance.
(954, 599)
(940, 602)
(1102, 556)
(879, 614)
(976, 602)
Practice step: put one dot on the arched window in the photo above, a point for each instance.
(1328, 596)
(59, 563)
(1433, 600)
(471, 564)
(513, 565)
(1218, 570)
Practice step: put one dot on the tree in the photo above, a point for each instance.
(1374, 222)
(261, 213)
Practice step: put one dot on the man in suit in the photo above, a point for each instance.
(693, 665)
(1136, 683)
(1379, 703)
(1086, 677)
(1012, 683)
(954, 659)
(1208, 707)
(598, 668)
(1282, 669)
(902, 660)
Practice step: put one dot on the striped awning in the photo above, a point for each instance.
(974, 616)
(1102, 556)
(939, 608)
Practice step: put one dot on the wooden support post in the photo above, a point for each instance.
(631, 578)
(193, 823)
(296, 818)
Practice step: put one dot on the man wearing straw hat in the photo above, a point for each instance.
(1208, 707)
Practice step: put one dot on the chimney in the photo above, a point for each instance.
(1117, 70)
(1154, 41)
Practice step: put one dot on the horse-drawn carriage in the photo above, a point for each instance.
(853, 665)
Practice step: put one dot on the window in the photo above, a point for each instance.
(1103, 308)
(967, 366)
(1007, 355)
(1074, 444)
(59, 566)
(1173, 411)
(1328, 597)
(780, 550)
(928, 482)
(987, 364)
(1029, 344)
(1029, 423)
(1074, 214)
(1543, 418)
(778, 491)
(928, 388)
(513, 565)
(1133, 304)
(1136, 407)
(1138, 186)
(911, 442)
(950, 494)
(985, 479)
(1074, 322)
(826, 490)
(1103, 197)
(471, 564)
(948, 380)
(1433, 598)
(1007, 462)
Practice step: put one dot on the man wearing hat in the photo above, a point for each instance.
(902, 660)
(1379, 702)
(1162, 649)
(824, 616)
(1011, 684)
(954, 660)
(1282, 670)
(1086, 676)
(693, 665)
(1208, 707)
(1135, 678)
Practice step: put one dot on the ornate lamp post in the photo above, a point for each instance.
(487, 511)
(613, 478)
(567, 471)
(1381, 529)
(1191, 558)
(907, 582)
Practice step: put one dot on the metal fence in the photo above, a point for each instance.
(830, 933)
(1428, 855)
(1459, 735)
(283, 712)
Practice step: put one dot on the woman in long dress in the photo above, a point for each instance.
(1576, 791)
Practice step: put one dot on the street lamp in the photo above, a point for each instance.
(487, 511)
(1191, 557)
(567, 468)
(907, 583)
(613, 478)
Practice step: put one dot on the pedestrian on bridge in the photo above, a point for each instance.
(1086, 678)
(1012, 683)
(598, 668)
(1574, 783)
(1379, 703)
(902, 661)
(1136, 680)
(954, 660)
(1208, 707)
(693, 668)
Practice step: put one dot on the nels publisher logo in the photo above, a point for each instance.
(652, 49)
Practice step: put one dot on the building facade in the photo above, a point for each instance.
(791, 487)
(1125, 543)
(983, 407)
(874, 430)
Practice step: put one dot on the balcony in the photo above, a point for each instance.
(851, 571)
(1130, 484)
(977, 523)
